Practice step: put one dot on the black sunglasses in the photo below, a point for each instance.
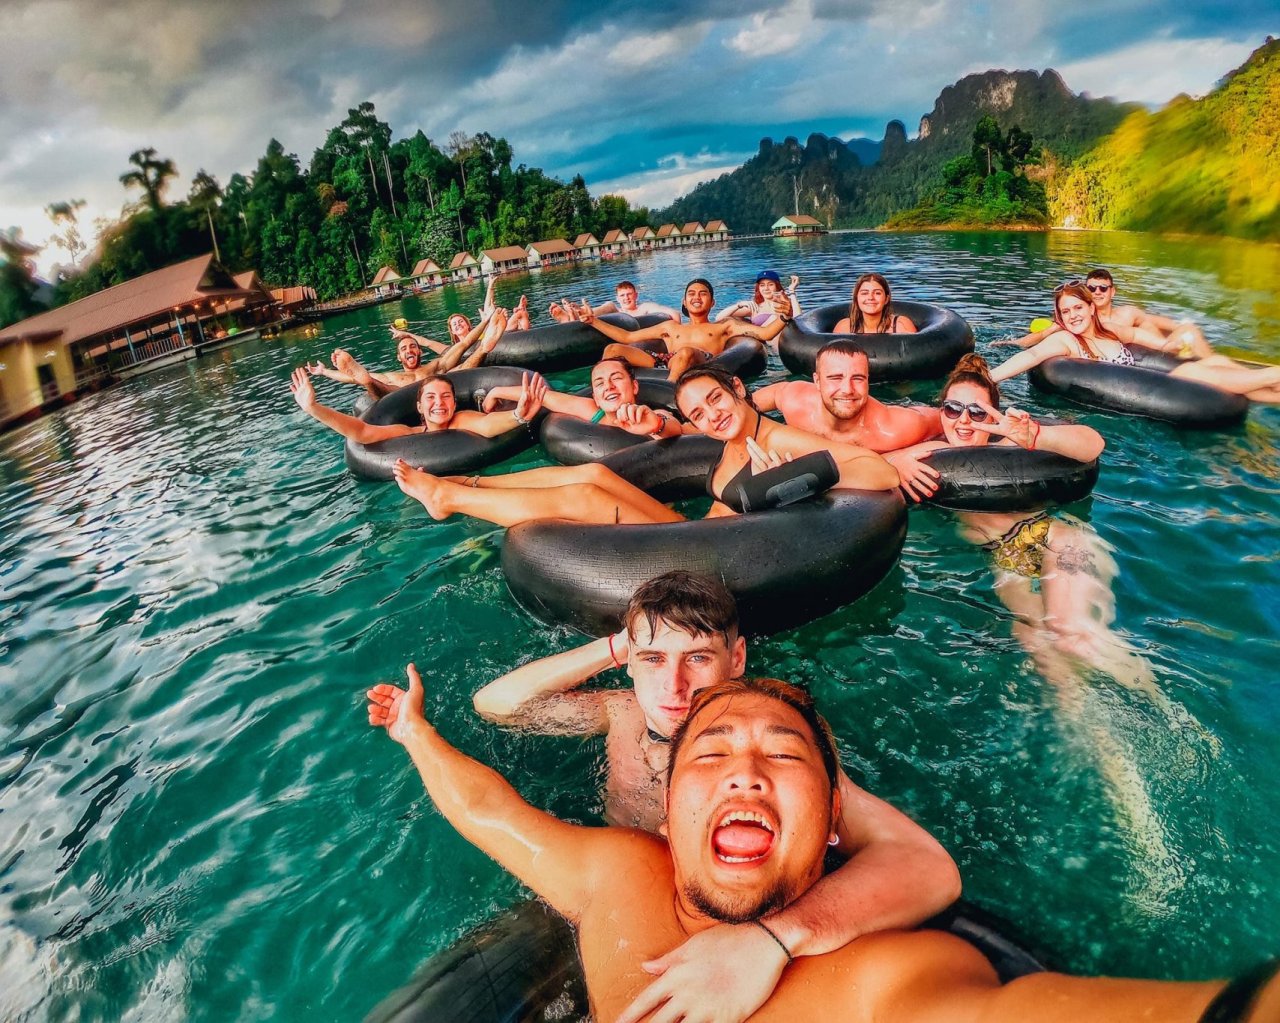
(1099, 289)
(955, 409)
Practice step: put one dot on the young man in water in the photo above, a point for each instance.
(680, 636)
(348, 370)
(837, 404)
(1183, 339)
(753, 797)
(627, 300)
(685, 344)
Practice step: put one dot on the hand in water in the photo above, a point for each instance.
(397, 710)
(720, 975)
(303, 393)
(762, 459)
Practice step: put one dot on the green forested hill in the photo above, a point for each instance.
(839, 190)
(1208, 166)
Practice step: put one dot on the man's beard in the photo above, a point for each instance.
(846, 410)
(736, 909)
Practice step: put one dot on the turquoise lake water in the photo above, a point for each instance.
(197, 823)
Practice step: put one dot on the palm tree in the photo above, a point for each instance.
(151, 175)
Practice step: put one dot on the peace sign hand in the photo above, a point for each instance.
(1015, 424)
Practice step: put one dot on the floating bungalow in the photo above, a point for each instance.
(668, 236)
(588, 246)
(426, 274)
(691, 233)
(553, 252)
(616, 242)
(464, 267)
(386, 282)
(795, 224)
(643, 238)
(151, 321)
(503, 259)
(717, 231)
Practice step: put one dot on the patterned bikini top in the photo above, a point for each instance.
(1124, 357)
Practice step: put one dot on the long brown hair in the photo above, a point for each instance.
(887, 315)
(725, 379)
(1077, 290)
(973, 369)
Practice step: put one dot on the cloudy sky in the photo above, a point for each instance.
(645, 99)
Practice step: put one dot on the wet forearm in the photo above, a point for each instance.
(507, 700)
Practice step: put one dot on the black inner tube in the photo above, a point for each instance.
(1003, 477)
(447, 452)
(942, 337)
(1144, 389)
(785, 566)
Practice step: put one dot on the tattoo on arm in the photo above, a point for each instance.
(1073, 559)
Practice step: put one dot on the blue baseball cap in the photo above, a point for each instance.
(768, 275)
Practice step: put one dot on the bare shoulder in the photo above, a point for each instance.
(623, 711)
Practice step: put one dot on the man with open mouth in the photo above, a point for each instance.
(753, 796)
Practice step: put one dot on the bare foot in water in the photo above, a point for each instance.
(423, 487)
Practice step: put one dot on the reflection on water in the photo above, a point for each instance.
(196, 594)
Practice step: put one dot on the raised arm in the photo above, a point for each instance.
(349, 426)
(319, 369)
(738, 309)
(491, 424)
(1054, 345)
(540, 697)
(557, 860)
(493, 329)
(1073, 440)
(615, 333)
(794, 294)
(556, 401)
(782, 313)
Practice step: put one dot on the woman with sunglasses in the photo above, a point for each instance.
(1053, 573)
(1081, 334)
(715, 403)
(871, 310)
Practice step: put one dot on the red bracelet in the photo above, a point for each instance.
(616, 663)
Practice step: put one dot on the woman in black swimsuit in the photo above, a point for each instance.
(714, 402)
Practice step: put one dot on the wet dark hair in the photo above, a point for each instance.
(1099, 274)
(631, 370)
(840, 346)
(705, 283)
(722, 377)
(784, 692)
(973, 369)
(887, 315)
(700, 605)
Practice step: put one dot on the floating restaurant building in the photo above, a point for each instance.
(795, 224)
(151, 321)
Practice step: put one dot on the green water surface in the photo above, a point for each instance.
(197, 823)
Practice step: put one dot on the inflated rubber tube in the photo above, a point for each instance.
(1145, 389)
(362, 405)
(447, 452)
(785, 567)
(525, 961)
(941, 337)
(1007, 478)
(745, 358)
(572, 441)
(556, 346)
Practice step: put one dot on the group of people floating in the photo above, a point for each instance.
(724, 793)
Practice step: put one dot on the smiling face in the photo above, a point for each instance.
(960, 432)
(409, 352)
(749, 808)
(697, 299)
(459, 326)
(767, 290)
(627, 297)
(714, 409)
(1102, 292)
(1075, 312)
(612, 385)
(437, 404)
(669, 665)
(871, 297)
(844, 384)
